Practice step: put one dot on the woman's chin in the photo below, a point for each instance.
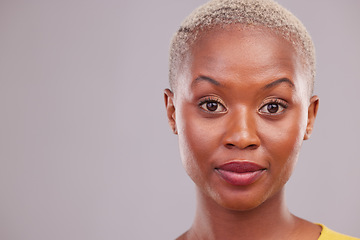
(239, 205)
(243, 200)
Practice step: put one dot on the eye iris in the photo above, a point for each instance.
(272, 108)
(212, 106)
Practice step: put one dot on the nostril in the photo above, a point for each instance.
(252, 146)
(230, 145)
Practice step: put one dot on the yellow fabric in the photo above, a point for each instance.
(328, 234)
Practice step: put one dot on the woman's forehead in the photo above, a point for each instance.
(246, 56)
(233, 51)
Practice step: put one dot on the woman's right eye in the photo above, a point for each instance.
(213, 106)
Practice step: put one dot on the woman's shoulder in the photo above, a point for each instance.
(328, 234)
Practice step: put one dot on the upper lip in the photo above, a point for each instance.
(241, 166)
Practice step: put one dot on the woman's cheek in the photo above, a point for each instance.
(283, 145)
(197, 142)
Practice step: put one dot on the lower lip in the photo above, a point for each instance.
(240, 179)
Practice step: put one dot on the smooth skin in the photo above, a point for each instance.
(242, 95)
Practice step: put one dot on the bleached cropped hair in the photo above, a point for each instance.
(263, 13)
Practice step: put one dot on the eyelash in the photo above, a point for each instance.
(212, 99)
(280, 102)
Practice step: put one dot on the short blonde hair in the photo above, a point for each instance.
(264, 13)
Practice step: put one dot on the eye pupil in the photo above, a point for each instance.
(272, 108)
(212, 106)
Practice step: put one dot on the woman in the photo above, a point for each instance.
(241, 103)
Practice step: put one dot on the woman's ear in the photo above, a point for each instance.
(170, 109)
(312, 111)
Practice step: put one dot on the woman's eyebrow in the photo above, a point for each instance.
(203, 78)
(277, 82)
(267, 86)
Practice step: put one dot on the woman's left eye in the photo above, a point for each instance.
(273, 108)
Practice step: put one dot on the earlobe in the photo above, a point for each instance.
(312, 112)
(170, 109)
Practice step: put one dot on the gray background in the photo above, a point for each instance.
(85, 150)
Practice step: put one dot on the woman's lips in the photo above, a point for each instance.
(240, 173)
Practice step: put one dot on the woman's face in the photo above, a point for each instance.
(241, 109)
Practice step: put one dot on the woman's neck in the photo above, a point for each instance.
(271, 219)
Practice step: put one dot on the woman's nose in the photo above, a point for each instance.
(241, 131)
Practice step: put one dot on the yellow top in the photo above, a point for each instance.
(328, 234)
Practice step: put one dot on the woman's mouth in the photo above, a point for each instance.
(240, 173)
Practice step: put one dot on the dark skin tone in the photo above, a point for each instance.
(242, 95)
